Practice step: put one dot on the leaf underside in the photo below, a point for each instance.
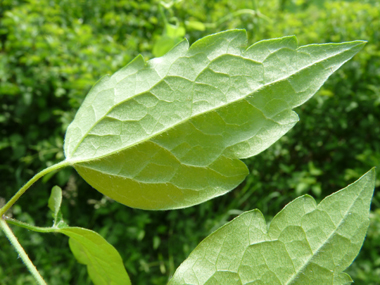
(170, 132)
(306, 244)
(104, 264)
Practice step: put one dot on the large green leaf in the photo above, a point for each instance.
(305, 243)
(170, 132)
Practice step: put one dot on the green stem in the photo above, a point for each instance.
(21, 252)
(30, 183)
(29, 227)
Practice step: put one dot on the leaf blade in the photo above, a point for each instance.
(104, 264)
(170, 133)
(54, 202)
(300, 246)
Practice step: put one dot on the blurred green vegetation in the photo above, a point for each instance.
(52, 51)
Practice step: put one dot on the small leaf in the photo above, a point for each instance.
(169, 133)
(195, 25)
(305, 243)
(164, 44)
(104, 263)
(175, 31)
(172, 36)
(55, 201)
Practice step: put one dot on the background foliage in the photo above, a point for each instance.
(51, 52)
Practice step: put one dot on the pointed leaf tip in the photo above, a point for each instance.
(306, 243)
(169, 133)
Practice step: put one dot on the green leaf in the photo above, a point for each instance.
(174, 31)
(172, 36)
(305, 243)
(170, 133)
(195, 25)
(164, 44)
(104, 264)
(55, 201)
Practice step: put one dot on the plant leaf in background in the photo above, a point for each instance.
(305, 243)
(172, 36)
(170, 133)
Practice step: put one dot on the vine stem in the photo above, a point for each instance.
(30, 183)
(30, 227)
(21, 252)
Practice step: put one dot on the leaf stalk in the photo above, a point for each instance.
(29, 227)
(23, 189)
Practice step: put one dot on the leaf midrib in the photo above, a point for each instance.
(138, 94)
(74, 161)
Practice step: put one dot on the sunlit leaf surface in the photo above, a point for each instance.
(170, 132)
(305, 244)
